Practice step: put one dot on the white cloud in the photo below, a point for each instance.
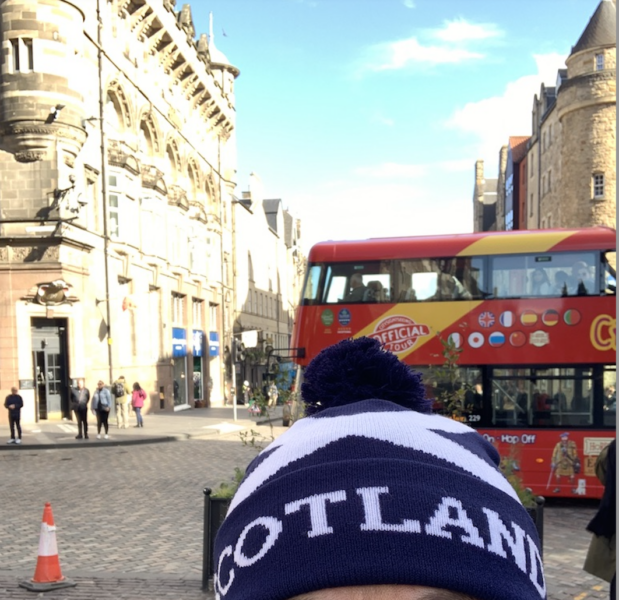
(492, 120)
(461, 31)
(409, 3)
(456, 42)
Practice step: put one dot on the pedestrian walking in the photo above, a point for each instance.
(122, 398)
(371, 495)
(138, 396)
(601, 558)
(14, 403)
(273, 395)
(101, 405)
(80, 397)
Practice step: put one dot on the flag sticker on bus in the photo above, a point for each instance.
(399, 333)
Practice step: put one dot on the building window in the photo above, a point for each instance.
(531, 162)
(113, 204)
(212, 317)
(599, 62)
(549, 181)
(543, 185)
(29, 53)
(15, 48)
(531, 206)
(598, 185)
(549, 221)
(196, 306)
(177, 308)
(544, 141)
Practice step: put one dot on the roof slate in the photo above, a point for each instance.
(601, 30)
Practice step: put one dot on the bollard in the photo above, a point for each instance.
(207, 559)
(539, 521)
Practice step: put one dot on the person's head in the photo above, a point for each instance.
(539, 276)
(14, 390)
(136, 386)
(356, 280)
(100, 385)
(580, 270)
(80, 384)
(121, 378)
(373, 496)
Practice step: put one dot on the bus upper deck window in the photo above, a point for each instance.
(310, 292)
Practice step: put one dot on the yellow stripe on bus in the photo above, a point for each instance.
(516, 244)
(436, 316)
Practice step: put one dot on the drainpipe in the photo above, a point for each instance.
(106, 236)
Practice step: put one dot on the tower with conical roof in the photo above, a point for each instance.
(586, 105)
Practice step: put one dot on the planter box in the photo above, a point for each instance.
(537, 514)
(215, 510)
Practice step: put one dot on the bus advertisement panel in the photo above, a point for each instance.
(529, 315)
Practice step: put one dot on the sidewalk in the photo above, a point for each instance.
(194, 423)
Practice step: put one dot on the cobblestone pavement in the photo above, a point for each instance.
(129, 520)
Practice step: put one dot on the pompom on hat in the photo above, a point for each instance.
(373, 489)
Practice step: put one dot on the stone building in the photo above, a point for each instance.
(117, 178)
(269, 272)
(571, 154)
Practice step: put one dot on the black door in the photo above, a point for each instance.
(49, 349)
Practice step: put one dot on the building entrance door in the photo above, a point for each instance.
(49, 354)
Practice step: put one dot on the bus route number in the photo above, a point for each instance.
(474, 418)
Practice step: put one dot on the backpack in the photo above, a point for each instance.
(118, 389)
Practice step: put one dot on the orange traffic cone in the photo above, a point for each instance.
(47, 575)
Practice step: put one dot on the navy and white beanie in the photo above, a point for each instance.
(373, 489)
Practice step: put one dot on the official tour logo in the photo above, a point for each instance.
(603, 333)
(399, 333)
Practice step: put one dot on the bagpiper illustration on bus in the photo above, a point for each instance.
(565, 462)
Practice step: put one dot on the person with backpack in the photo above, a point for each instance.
(101, 405)
(122, 397)
(137, 401)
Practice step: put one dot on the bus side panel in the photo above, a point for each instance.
(524, 331)
(553, 463)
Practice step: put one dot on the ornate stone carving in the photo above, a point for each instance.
(119, 156)
(29, 156)
(22, 254)
(177, 196)
(152, 178)
(4, 254)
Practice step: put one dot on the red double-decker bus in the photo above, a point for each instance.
(532, 316)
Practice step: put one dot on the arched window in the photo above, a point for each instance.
(193, 184)
(172, 165)
(113, 116)
(250, 267)
(145, 141)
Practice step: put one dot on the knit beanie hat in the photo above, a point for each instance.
(373, 489)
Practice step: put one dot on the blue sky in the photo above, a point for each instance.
(366, 117)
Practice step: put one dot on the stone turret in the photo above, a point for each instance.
(41, 111)
(586, 104)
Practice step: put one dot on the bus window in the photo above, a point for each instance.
(609, 274)
(456, 394)
(358, 282)
(310, 292)
(561, 397)
(610, 395)
(551, 275)
(441, 279)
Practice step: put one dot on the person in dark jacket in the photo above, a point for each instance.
(80, 397)
(14, 403)
(601, 557)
